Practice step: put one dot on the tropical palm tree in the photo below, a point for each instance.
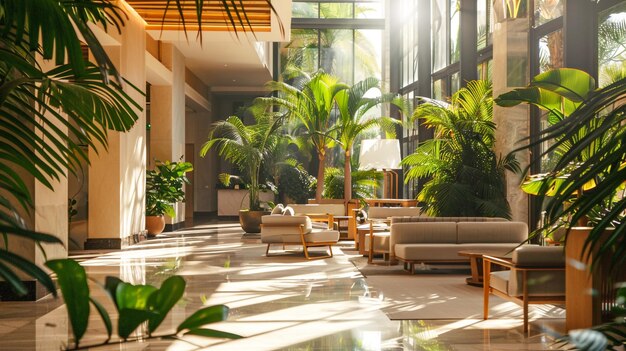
(311, 102)
(247, 146)
(363, 183)
(354, 105)
(466, 176)
(76, 94)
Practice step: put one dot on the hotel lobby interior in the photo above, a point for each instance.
(428, 175)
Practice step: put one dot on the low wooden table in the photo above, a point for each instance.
(476, 263)
(343, 229)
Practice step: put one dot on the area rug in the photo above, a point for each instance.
(444, 296)
(381, 267)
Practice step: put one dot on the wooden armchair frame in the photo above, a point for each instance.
(305, 244)
(524, 300)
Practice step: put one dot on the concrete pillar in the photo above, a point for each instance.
(167, 120)
(117, 175)
(511, 70)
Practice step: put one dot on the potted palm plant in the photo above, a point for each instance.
(247, 147)
(164, 187)
(464, 175)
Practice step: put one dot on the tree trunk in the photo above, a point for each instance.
(347, 178)
(320, 176)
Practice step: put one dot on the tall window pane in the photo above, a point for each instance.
(369, 10)
(484, 23)
(547, 10)
(336, 52)
(551, 51)
(305, 10)
(439, 35)
(455, 82)
(612, 45)
(302, 51)
(455, 26)
(368, 53)
(337, 10)
(439, 89)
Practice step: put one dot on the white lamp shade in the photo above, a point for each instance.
(380, 154)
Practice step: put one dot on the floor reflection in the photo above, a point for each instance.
(277, 303)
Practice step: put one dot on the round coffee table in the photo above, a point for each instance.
(476, 262)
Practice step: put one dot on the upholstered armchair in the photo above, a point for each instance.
(297, 230)
(535, 275)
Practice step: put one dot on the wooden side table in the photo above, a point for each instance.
(378, 228)
(476, 263)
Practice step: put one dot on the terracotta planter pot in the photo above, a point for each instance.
(251, 220)
(155, 225)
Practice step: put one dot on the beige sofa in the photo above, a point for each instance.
(434, 241)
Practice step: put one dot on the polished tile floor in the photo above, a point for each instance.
(277, 303)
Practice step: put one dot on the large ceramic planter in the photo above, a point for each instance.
(155, 225)
(251, 220)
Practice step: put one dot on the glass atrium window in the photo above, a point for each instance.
(547, 10)
(484, 23)
(438, 8)
(333, 39)
(337, 10)
(368, 53)
(302, 52)
(612, 44)
(551, 51)
(455, 26)
(305, 10)
(365, 9)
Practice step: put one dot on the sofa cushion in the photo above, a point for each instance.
(428, 252)
(540, 283)
(320, 236)
(386, 212)
(492, 232)
(423, 218)
(440, 232)
(284, 225)
(539, 256)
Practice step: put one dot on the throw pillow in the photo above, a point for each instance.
(361, 217)
(288, 211)
(278, 209)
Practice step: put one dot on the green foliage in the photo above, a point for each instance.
(592, 152)
(586, 135)
(164, 187)
(464, 177)
(247, 146)
(135, 304)
(296, 183)
(354, 120)
(76, 95)
(363, 183)
(310, 101)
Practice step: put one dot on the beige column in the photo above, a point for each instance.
(511, 70)
(167, 119)
(117, 175)
(48, 215)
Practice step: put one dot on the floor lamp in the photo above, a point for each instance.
(382, 154)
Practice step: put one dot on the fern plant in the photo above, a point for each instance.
(463, 175)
